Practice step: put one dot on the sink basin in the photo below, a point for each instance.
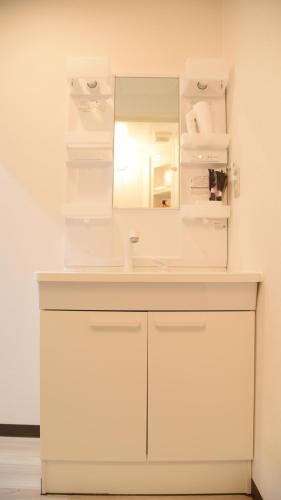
(142, 275)
(144, 291)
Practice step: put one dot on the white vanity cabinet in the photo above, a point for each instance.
(200, 386)
(149, 400)
(93, 385)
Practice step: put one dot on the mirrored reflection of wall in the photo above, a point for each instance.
(146, 143)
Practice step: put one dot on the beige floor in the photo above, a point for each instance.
(20, 476)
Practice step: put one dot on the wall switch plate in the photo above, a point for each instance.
(236, 180)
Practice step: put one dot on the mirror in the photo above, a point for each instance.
(146, 142)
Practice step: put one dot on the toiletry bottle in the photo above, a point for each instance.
(221, 184)
(190, 123)
(212, 184)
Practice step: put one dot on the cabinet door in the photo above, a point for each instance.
(93, 385)
(201, 386)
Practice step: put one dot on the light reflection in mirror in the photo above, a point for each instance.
(146, 143)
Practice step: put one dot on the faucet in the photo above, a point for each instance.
(132, 237)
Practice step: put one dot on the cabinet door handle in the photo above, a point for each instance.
(99, 325)
(196, 325)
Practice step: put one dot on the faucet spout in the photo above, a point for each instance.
(131, 239)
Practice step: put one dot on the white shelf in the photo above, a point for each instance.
(207, 210)
(88, 145)
(204, 148)
(161, 190)
(86, 152)
(214, 141)
(91, 97)
(203, 157)
(96, 146)
(85, 211)
(89, 163)
(100, 137)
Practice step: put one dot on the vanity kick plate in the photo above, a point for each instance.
(177, 478)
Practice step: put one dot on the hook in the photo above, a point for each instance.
(92, 84)
(202, 86)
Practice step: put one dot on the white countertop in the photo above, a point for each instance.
(149, 277)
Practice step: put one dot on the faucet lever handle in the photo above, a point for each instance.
(133, 236)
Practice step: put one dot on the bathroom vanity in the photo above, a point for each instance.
(147, 378)
(147, 382)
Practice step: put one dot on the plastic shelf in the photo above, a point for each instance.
(85, 211)
(89, 163)
(90, 152)
(203, 157)
(208, 210)
(91, 97)
(215, 141)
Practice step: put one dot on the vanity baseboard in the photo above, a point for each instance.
(146, 478)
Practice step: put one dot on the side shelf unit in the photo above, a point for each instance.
(89, 140)
(204, 141)
(87, 208)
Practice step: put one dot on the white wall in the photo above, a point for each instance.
(140, 37)
(252, 43)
